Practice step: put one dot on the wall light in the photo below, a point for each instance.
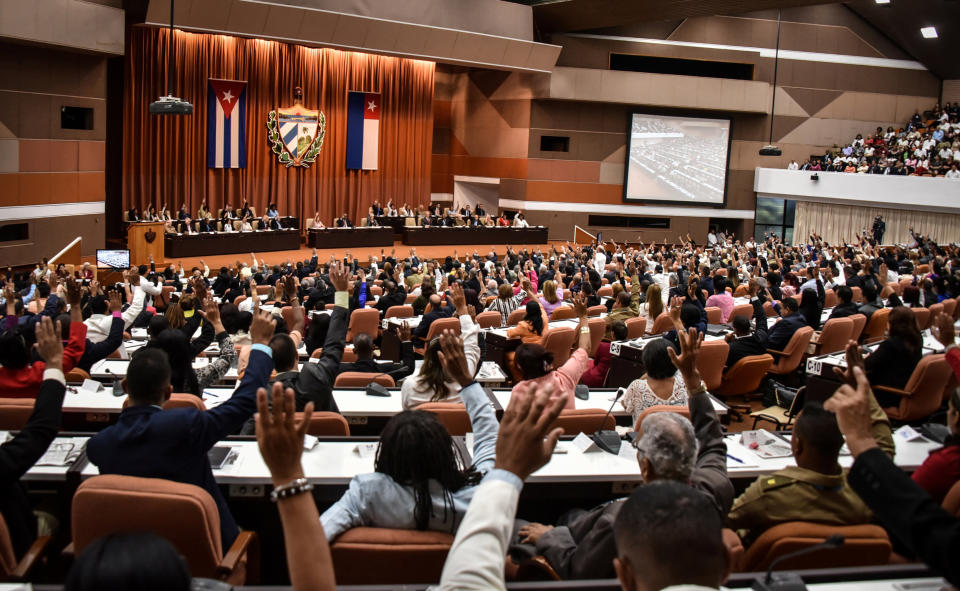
(929, 32)
(882, 1)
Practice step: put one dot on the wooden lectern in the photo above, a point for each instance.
(145, 239)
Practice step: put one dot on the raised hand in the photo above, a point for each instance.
(854, 359)
(115, 302)
(211, 313)
(459, 300)
(262, 327)
(580, 305)
(942, 329)
(453, 359)
(676, 304)
(339, 278)
(851, 404)
(49, 344)
(526, 441)
(73, 291)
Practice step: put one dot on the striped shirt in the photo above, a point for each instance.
(506, 306)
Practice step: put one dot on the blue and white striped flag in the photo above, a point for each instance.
(227, 124)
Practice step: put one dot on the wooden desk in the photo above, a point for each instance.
(349, 237)
(145, 239)
(433, 236)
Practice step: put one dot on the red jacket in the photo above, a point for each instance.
(25, 382)
(953, 358)
(597, 373)
(940, 471)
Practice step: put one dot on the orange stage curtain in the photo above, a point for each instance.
(165, 157)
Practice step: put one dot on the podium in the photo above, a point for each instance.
(145, 239)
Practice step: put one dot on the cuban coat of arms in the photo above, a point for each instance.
(296, 133)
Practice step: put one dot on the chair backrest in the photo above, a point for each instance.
(563, 313)
(877, 326)
(742, 290)
(768, 309)
(793, 352)
(359, 379)
(605, 291)
(741, 310)
(951, 502)
(398, 556)
(237, 300)
(399, 312)
(835, 335)
(558, 341)
(76, 375)
(15, 412)
(949, 306)
(176, 400)
(376, 290)
(184, 514)
(597, 329)
(662, 324)
(745, 376)
(596, 310)
(714, 315)
(263, 289)
(516, 316)
(287, 313)
(325, 423)
(439, 325)
(363, 321)
(410, 298)
(830, 299)
(864, 545)
(710, 363)
(923, 317)
(489, 319)
(680, 410)
(584, 420)
(935, 309)
(636, 327)
(859, 323)
(452, 415)
(924, 389)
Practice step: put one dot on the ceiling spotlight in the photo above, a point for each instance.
(882, 1)
(929, 32)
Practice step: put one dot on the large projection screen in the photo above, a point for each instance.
(676, 159)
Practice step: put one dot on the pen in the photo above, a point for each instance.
(735, 458)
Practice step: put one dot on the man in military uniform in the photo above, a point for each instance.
(816, 489)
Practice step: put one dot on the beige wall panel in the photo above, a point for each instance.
(951, 91)
(64, 23)
(350, 31)
(619, 153)
(439, 41)
(494, 142)
(517, 52)
(317, 25)
(9, 155)
(48, 236)
(513, 189)
(611, 173)
(213, 14)
(281, 21)
(91, 156)
(45, 71)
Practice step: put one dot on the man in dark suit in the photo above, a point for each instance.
(743, 341)
(21, 452)
(365, 363)
(206, 225)
(851, 278)
(344, 222)
(436, 310)
(394, 295)
(790, 322)
(845, 307)
(173, 444)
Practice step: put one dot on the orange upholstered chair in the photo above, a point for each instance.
(857, 294)
(605, 292)
(452, 415)
(177, 400)
(710, 363)
(876, 328)
(359, 379)
(923, 317)
(399, 312)
(558, 341)
(741, 310)
(835, 335)
(184, 514)
(949, 307)
(636, 327)
(516, 316)
(14, 570)
(859, 323)
(489, 319)
(923, 394)
(410, 299)
(830, 299)
(662, 324)
(792, 354)
(76, 376)
(680, 410)
(596, 310)
(326, 423)
(363, 321)
(864, 545)
(15, 412)
(380, 556)
(714, 315)
(563, 313)
(287, 313)
(584, 420)
(598, 327)
(744, 378)
(436, 329)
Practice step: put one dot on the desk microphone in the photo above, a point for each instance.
(608, 441)
(792, 581)
(376, 389)
(117, 384)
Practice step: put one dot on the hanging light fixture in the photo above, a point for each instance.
(169, 104)
(770, 149)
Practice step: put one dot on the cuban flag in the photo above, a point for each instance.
(363, 130)
(227, 124)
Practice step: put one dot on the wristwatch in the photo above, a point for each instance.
(699, 389)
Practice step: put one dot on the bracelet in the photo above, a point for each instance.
(700, 389)
(585, 330)
(300, 485)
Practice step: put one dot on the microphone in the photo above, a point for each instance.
(608, 441)
(792, 581)
(376, 389)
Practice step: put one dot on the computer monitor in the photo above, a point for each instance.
(113, 259)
